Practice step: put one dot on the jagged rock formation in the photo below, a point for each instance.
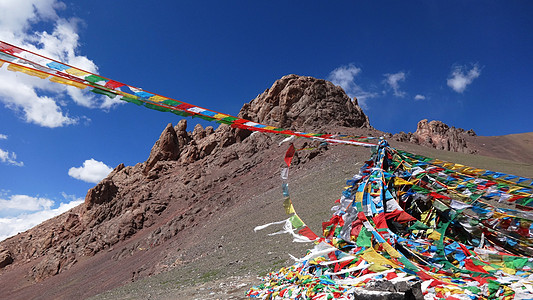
(188, 177)
(296, 102)
(438, 135)
(166, 148)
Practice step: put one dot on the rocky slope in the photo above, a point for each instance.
(516, 147)
(191, 207)
(188, 178)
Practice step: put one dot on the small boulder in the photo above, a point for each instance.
(5, 258)
(103, 192)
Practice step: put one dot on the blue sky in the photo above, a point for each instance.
(466, 63)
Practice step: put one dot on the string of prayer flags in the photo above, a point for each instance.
(30, 63)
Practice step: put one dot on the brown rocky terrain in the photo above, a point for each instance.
(188, 178)
(296, 102)
(516, 147)
(177, 224)
(438, 135)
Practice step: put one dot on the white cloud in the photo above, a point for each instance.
(36, 100)
(393, 81)
(7, 157)
(25, 212)
(18, 16)
(10, 158)
(344, 76)
(460, 77)
(92, 171)
(19, 93)
(24, 203)
(420, 97)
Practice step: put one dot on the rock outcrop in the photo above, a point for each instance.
(5, 258)
(166, 148)
(436, 134)
(299, 102)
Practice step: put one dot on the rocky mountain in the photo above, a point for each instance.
(296, 102)
(188, 178)
(189, 210)
(438, 135)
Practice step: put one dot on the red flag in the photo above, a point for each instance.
(308, 233)
(399, 216)
(289, 155)
(113, 84)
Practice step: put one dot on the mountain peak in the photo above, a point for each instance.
(303, 103)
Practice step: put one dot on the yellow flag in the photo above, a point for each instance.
(448, 165)
(77, 72)
(509, 270)
(127, 95)
(359, 197)
(435, 235)
(379, 263)
(469, 170)
(157, 99)
(400, 181)
(68, 82)
(477, 171)
(287, 204)
(488, 268)
(220, 116)
(28, 71)
(391, 251)
(458, 167)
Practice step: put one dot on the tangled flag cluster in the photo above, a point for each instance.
(462, 232)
